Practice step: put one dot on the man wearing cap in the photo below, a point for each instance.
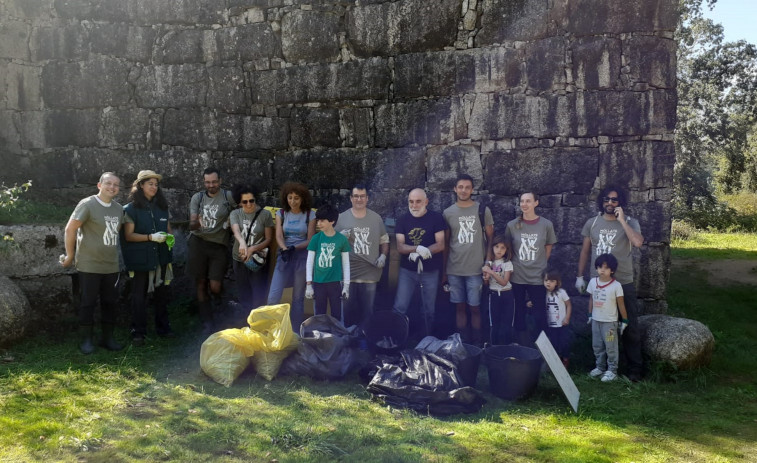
(369, 248)
(147, 256)
(613, 232)
(208, 243)
(91, 239)
(420, 242)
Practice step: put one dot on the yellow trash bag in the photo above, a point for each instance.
(225, 355)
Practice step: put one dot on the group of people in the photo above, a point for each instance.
(338, 259)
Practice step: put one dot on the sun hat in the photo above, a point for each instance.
(147, 174)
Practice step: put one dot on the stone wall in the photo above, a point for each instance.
(558, 96)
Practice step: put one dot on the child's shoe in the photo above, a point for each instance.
(596, 373)
(608, 376)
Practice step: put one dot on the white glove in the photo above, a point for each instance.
(346, 291)
(157, 237)
(580, 285)
(381, 261)
(309, 291)
(623, 326)
(588, 322)
(413, 256)
(424, 252)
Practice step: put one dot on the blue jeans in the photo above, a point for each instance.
(465, 289)
(292, 274)
(406, 284)
(360, 304)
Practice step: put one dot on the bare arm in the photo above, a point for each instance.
(280, 232)
(548, 250)
(633, 236)
(445, 254)
(194, 222)
(134, 237)
(268, 233)
(583, 258)
(438, 245)
(70, 241)
(568, 312)
(622, 308)
(502, 280)
(403, 248)
(311, 232)
(384, 249)
(489, 230)
(242, 244)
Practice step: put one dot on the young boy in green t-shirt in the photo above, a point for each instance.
(324, 268)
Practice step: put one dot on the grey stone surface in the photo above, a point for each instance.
(653, 270)
(310, 36)
(72, 127)
(246, 43)
(640, 165)
(33, 252)
(193, 129)
(421, 122)
(61, 42)
(99, 82)
(356, 127)
(445, 163)
(587, 17)
(315, 127)
(226, 89)
(682, 342)
(395, 169)
(23, 87)
(181, 46)
(503, 20)
(122, 40)
(596, 62)
(14, 38)
(171, 86)
(545, 64)
(651, 60)
(14, 312)
(122, 127)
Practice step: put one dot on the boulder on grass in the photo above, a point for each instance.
(14, 311)
(684, 343)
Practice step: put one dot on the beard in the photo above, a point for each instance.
(418, 213)
(609, 209)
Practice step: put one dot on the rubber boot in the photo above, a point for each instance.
(108, 341)
(87, 346)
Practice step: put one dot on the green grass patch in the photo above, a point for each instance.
(154, 404)
(713, 245)
(25, 211)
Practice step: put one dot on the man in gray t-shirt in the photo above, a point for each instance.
(369, 248)
(208, 257)
(465, 253)
(91, 240)
(613, 232)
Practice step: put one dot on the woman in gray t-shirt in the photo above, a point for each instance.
(532, 238)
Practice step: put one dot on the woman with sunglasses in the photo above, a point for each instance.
(146, 254)
(252, 227)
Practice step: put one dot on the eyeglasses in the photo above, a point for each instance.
(610, 199)
(359, 196)
(247, 201)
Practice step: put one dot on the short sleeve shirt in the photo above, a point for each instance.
(556, 308)
(421, 231)
(365, 236)
(529, 253)
(500, 267)
(257, 234)
(608, 237)
(327, 266)
(295, 227)
(214, 212)
(604, 298)
(97, 238)
(467, 250)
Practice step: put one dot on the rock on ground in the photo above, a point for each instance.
(682, 342)
(14, 311)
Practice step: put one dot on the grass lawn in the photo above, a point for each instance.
(154, 403)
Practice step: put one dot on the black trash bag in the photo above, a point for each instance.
(325, 350)
(425, 383)
(451, 348)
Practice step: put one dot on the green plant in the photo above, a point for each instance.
(9, 195)
(681, 230)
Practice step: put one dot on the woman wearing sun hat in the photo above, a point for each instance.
(147, 253)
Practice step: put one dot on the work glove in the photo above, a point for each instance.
(588, 322)
(346, 291)
(623, 325)
(287, 253)
(580, 285)
(309, 292)
(413, 256)
(424, 252)
(381, 261)
(157, 237)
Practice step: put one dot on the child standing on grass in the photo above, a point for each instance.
(497, 274)
(605, 301)
(328, 262)
(558, 314)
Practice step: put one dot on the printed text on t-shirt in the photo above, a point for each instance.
(467, 230)
(527, 250)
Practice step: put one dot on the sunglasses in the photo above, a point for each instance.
(247, 201)
(610, 199)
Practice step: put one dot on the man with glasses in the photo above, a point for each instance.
(208, 256)
(91, 240)
(369, 248)
(611, 231)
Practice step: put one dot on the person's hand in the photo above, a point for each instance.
(413, 256)
(620, 214)
(588, 322)
(566, 322)
(243, 253)
(381, 261)
(309, 293)
(580, 285)
(623, 325)
(346, 291)
(529, 304)
(157, 237)
(287, 253)
(65, 260)
(424, 252)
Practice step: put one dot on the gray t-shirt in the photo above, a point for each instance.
(97, 238)
(467, 247)
(214, 212)
(529, 255)
(239, 218)
(365, 235)
(608, 237)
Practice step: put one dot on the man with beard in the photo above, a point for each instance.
(465, 253)
(208, 256)
(420, 242)
(612, 232)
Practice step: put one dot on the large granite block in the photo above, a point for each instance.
(180, 47)
(445, 163)
(507, 20)
(596, 62)
(422, 122)
(171, 86)
(182, 12)
(247, 43)
(28, 9)
(313, 127)
(310, 36)
(321, 168)
(595, 17)
(651, 60)
(356, 127)
(268, 133)
(395, 169)
(96, 83)
(72, 128)
(403, 26)
(60, 42)
(226, 89)
(542, 170)
(545, 64)
(192, 129)
(10, 140)
(654, 218)
(123, 127)
(123, 41)
(654, 270)
(22, 86)
(626, 113)
(14, 40)
(496, 116)
(640, 165)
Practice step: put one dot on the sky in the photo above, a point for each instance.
(738, 18)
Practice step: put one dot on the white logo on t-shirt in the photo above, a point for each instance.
(326, 257)
(110, 237)
(467, 230)
(527, 250)
(606, 241)
(362, 245)
(209, 213)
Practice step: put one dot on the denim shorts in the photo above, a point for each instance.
(465, 289)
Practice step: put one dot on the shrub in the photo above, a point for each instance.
(683, 231)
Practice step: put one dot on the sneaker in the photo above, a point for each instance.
(596, 373)
(608, 376)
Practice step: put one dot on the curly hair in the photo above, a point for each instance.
(622, 198)
(241, 189)
(137, 196)
(300, 190)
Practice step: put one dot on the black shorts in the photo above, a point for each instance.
(207, 260)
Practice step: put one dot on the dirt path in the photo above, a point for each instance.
(723, 272)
